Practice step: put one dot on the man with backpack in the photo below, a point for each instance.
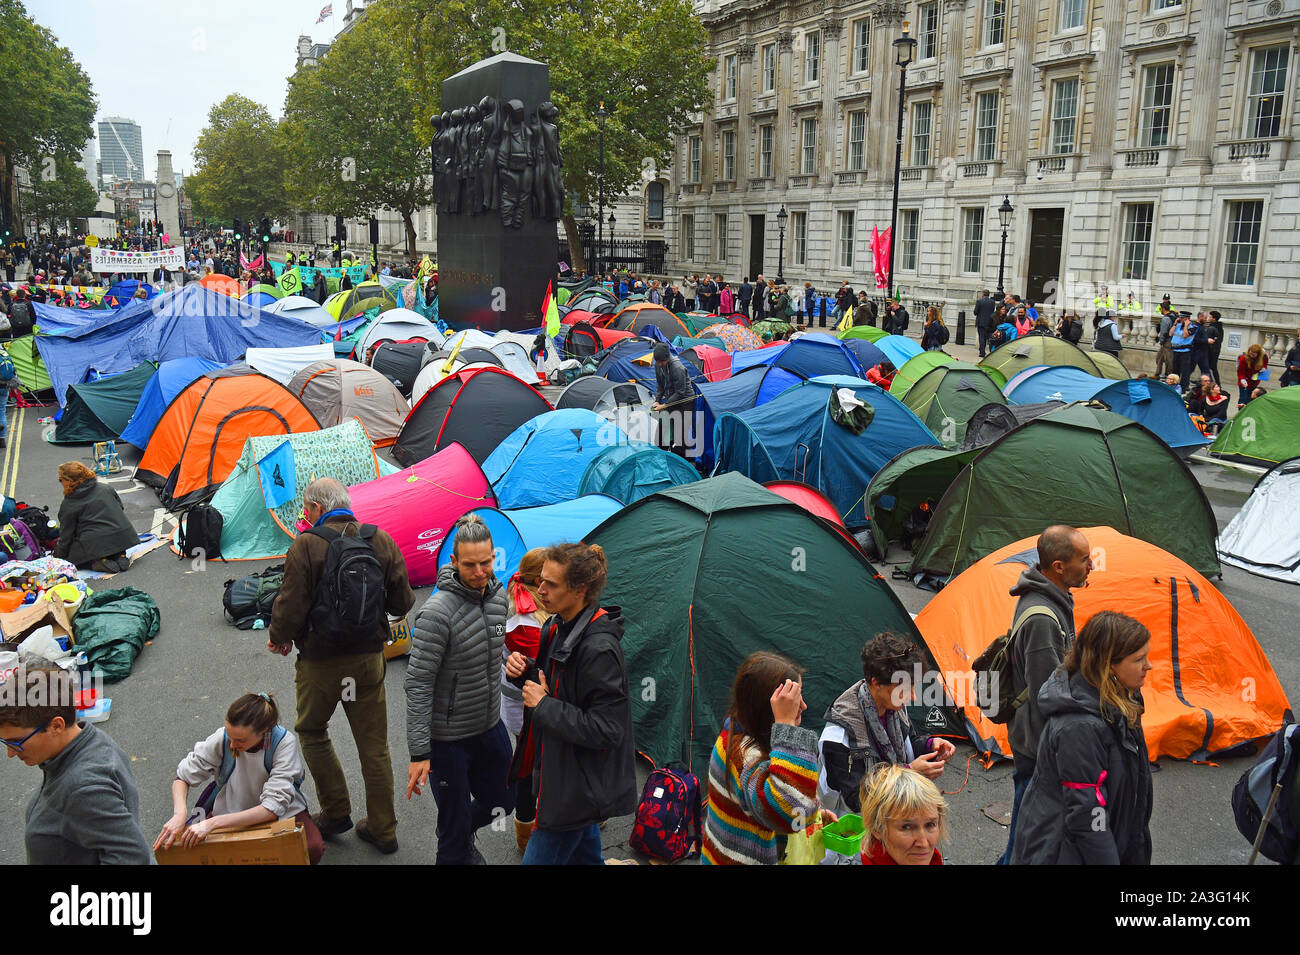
(1107, 337)
(341, 579)
(1042, 629)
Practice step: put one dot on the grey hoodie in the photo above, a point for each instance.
(1038, 648)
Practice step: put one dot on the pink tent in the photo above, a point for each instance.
(717, 363)
(419, 505)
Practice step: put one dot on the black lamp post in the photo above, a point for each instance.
(1004, 216)
(611, 239)
(904, 51)
(600, 215)
(781, 216)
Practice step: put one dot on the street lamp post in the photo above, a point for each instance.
(601, 114)
(610, 257)
(1004, 216)
(781, 216)
(905, 48)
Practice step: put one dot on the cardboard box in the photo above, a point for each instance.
(399, 640)
(21, 623)
(277, 843)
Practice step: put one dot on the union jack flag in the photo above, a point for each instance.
(326, 11)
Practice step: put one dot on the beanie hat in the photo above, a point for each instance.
(661, 352)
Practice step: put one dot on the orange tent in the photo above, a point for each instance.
(1211, 688)
(200, 436)
(221, 283)
(640, 314)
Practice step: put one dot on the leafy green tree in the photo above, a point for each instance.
(60, 190)
(239, 163)
(46, 102)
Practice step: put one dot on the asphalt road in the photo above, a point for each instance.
(185, 679)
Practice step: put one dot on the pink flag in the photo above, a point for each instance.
(880, 254)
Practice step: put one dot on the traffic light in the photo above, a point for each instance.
(374, 231)
(239, 232)
(266, 230)
(338, 228)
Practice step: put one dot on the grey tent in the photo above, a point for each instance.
(1264, 537)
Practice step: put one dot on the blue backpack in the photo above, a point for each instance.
(7, 370)
(209, 797)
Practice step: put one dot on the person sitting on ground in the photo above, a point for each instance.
(1172, 381)
(93, 527)
(882, 374)
(904, 817)
(867, 725)
(1291, 364)
(1214, 406)
(259, 789)
(1259, 392)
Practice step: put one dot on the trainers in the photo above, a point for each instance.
(103, 567)
(365, 835)
(331, 827)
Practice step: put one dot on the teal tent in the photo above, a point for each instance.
(100, 410)
(629, 472)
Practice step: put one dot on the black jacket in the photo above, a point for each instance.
(578, 739)
(673, 384)
(1036, 651)
(1291, 373)
(92, 524)
(984, 312)
(1089, 802)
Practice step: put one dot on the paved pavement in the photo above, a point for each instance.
(184, 681)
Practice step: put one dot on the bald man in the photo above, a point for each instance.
(1043, 629)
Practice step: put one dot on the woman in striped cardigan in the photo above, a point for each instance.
(763, 772)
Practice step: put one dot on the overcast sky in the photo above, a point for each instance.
(165, 63)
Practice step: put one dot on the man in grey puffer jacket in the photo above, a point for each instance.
(453, 696)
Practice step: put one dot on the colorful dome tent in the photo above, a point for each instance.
(28, 364)
(914, 479)
(223, 284)
(255, 526)
(303, 309)
(808, 497)
(1264, 536)
(262, 295)
(169, 380)
(584, 340)
(399, 325)
(712, 362)
(1150, 403)
(1102, 468)
(867, 354)
(620, 362)
(914, 368)
(360, 298)
(756, 385)
(1202, 652)
(99, 410)
(400, 363)
(508, 353)
(575, 315)
(1265, 432)
(734, 337)
(515, 532)
(795, 437)
(994, 420)
(201, 435)
(605, 397)
(477, 408)
(338, 389)
(1029, 350)
(419, 505)
(1110, 365)
(694, 607)
(442, 364)
(629, 472)
(635, 317)
(946, 396)
(542, 461)
(121, 293)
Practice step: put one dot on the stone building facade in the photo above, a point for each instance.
(1144, 145)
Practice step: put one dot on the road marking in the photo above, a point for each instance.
(9, 475)
(161, 518)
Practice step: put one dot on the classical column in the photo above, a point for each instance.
(832, 27)
(1204, 114)
(1105, 43)
(1015, 123)
(882, 118)
(949, 119)
(784, 90)
(746, 133)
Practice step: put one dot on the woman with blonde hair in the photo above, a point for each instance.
(934, 334)
(1089, 802)
(1250, 368)
(93, 528)
(904, 817)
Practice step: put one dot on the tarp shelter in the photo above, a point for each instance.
(914, 368)
(169, 380)
(1080, 466)
(867, 332)
(338, 389)
(283, 363)
(222, 284)
(360, 298)
(1202, 653)
(1264, 536)
(898, 349)
(201, 435)
(191, 322)
(99, 410)
(686, 566)
(794, 437)
(477, 408)
(399, 325)
(255, 526)
(419, 505)
(1149, 402)
(635, 470)
(303, 309)
(946, 396)
(29, 364)
(400, 363)
(1265, 432)
(1029, 350)
(516, 532)
(542, 461)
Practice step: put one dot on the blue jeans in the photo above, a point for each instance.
(1021, 783)
(4, 411)
(468, 778)
(572, 847)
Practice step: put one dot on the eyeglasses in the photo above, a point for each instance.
(19, 745)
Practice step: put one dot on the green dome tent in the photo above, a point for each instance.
(946, 396)
(1080, 466)
(682, 567)
(906, 483)
(1030, 350)
(29, 364)
(870, 332)
(913, 369)
(100, 410)
(1265, 432)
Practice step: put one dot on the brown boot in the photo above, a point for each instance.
(523, 831)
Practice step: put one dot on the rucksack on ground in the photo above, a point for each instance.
(1272, 781)
(37, 520)
(250, 598)
(198, 532)
(994, 668)
(18, 543)
(350, 595)
(669, 824)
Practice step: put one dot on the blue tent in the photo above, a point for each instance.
(809, 355)
(125, 290)
(867, 354)
(629, 472)
(260, 299)
(793, 437)
(898, 349)
(1150, 403)
(190, 322)
(619, 364)
(752, 387)
(167, 382)
(542, 461)
(515, 532)
(756, 356)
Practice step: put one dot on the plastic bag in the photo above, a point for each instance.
(805, 847)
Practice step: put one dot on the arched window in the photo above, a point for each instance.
(654, 195)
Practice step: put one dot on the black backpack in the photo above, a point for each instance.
(1075, 331)
(943, 335)
(250, 598)
(350, 596)
(199, 529)
(1270, 788)
(38, 522)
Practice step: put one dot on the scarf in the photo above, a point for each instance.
(888, 745)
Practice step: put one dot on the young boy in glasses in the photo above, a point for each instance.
(87, 809)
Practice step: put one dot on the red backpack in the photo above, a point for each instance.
(669, 818)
